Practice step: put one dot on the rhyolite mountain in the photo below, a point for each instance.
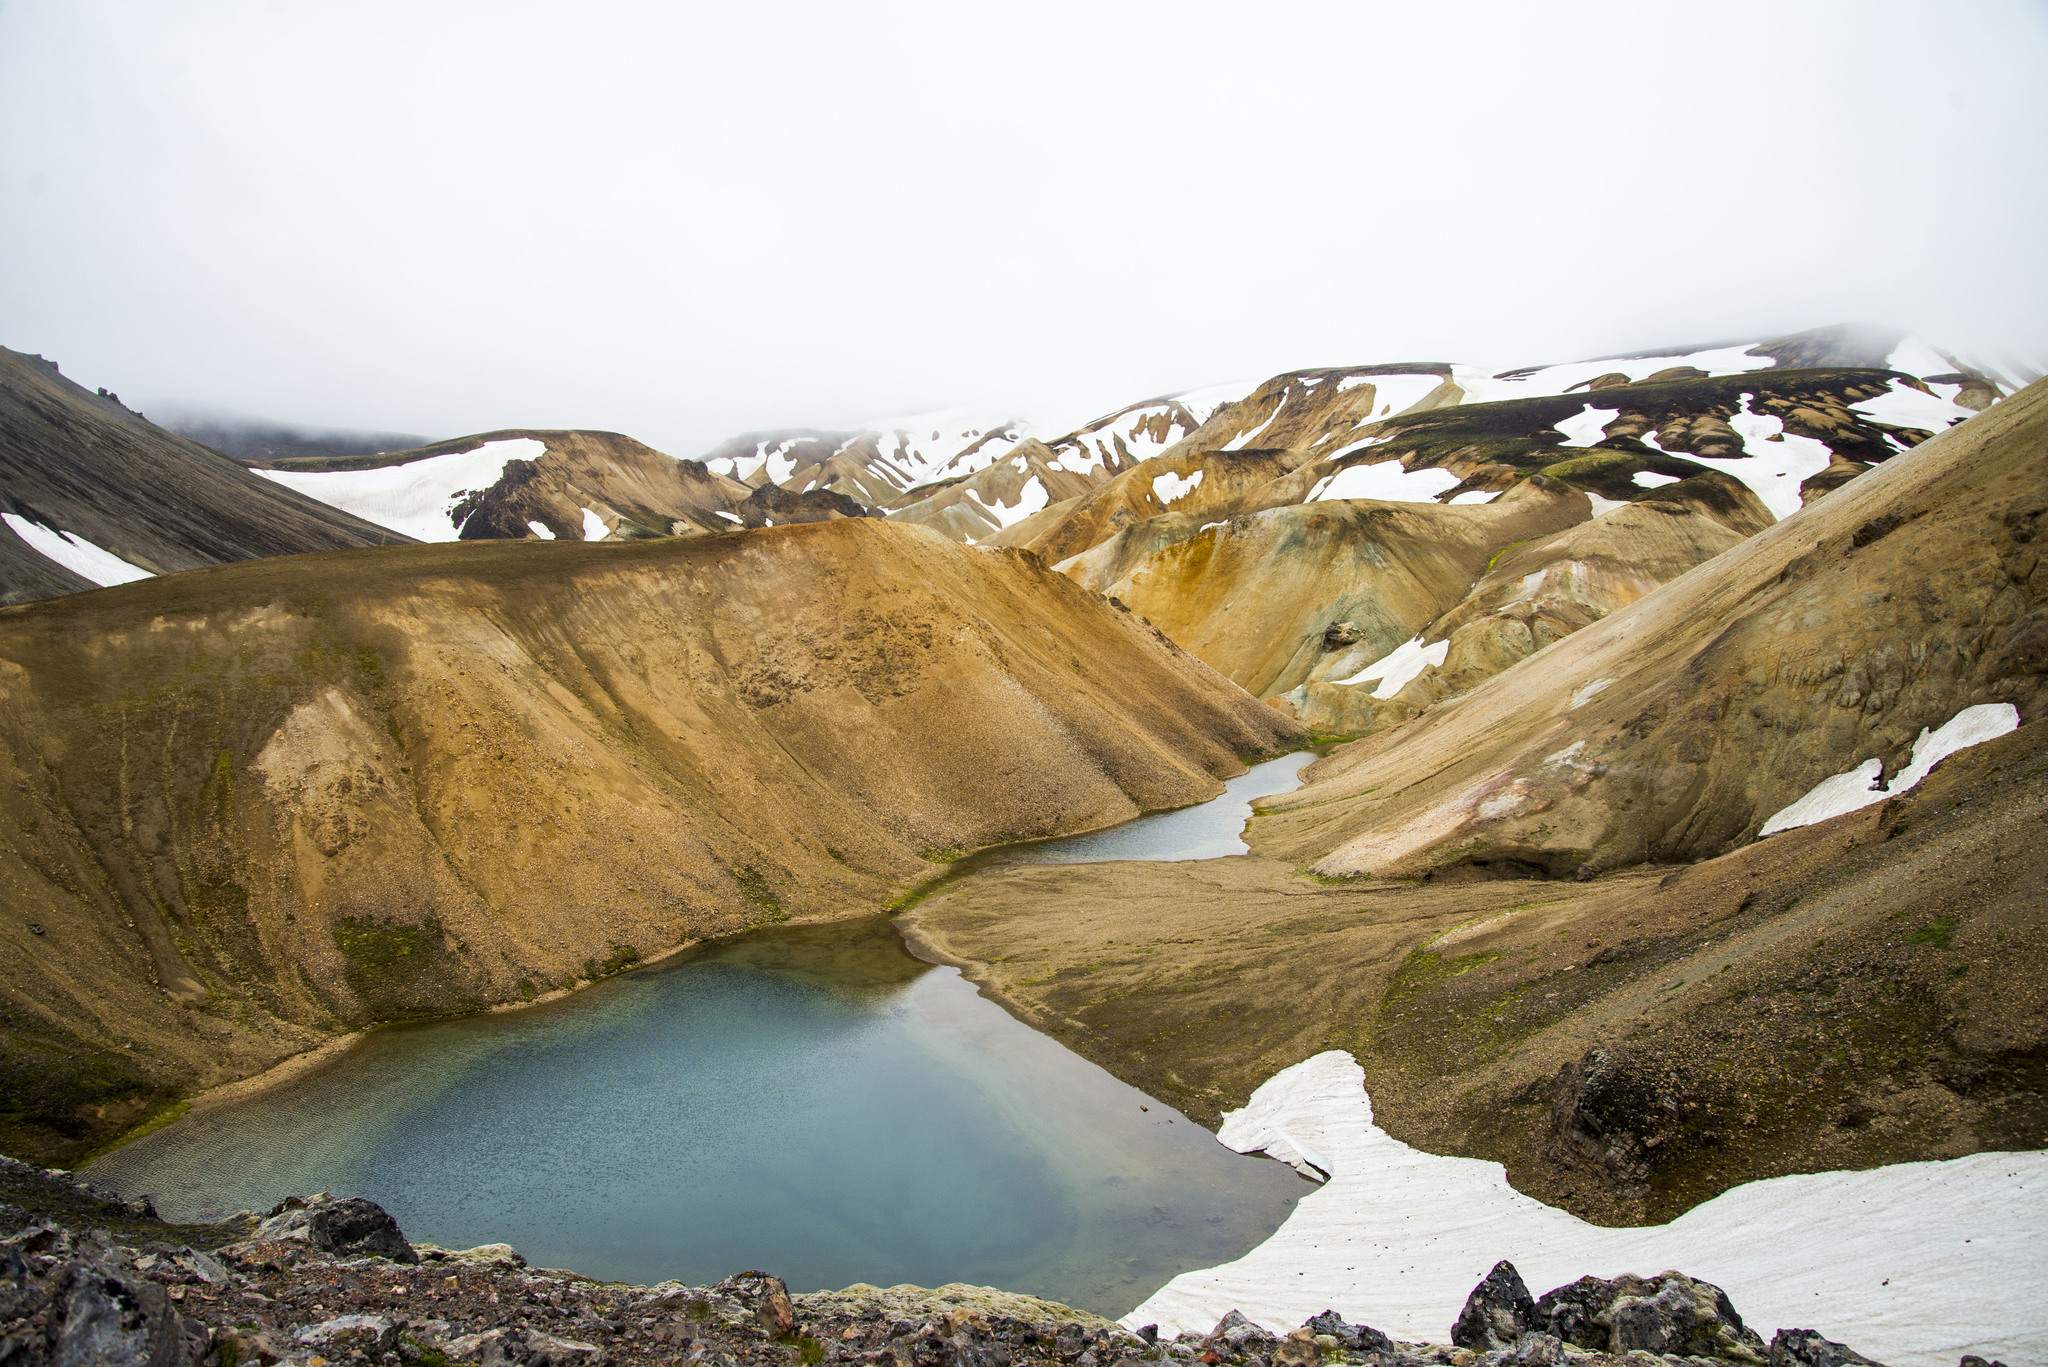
(1585, 627)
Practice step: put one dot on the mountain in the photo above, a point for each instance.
(523, 482)
(256, 440)
(1276, 507)
(1673, 727)
(1542, 913)
(92, 493)
(254, 806)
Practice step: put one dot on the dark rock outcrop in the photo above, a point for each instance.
(344, 1225)
(1497, 1313)
(1806, 1348)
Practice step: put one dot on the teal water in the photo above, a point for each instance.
(813, 1101)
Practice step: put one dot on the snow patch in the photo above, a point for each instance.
(1913, 1264)
(1859, 787)
(729, 517)
(540, 529)
(1386, 481)
(1398, 666)
(417, 498)
(75, 553)
(1587, 426)
(1169, 488)
(1477, 496)
(1905, 406)
(1603, 506)
(593, 527)
(1773, 469)
(1650, 479)
(1585, 693)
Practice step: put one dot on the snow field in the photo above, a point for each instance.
(1587, 427)
(1030, 499)
(1773, 469)
(1398, 666)
(540, 529)
(1480, 386)
(1386, 481)
(1905, 406)
(1859, 787)
(593, 527)
(1912, 1264)
(75, 553)
(1169, 488)
(417, 498)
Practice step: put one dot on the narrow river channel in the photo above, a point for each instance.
(811, 1100)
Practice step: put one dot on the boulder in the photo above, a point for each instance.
(767, 1297)
(1806, 1348)
(370, 1335)
(1298, 1349)
(344, 1225)
(1236, 1335)
(1667, 1313)
(1356, 1338)
(523, 1348)
(1497, 1313)
(1338, 635)
(95, 1315)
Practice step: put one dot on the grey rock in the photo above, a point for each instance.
(337, 1224)
(1239, 1335)
(523, 1348)
(1497, 1313)
(1668, 1314)
(767, 1297)
(1356, 1338)
(367, 1334)
(1806, 1348)
(1538, 1350)
(113, 1321)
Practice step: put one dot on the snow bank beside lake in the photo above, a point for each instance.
(1913, 1264)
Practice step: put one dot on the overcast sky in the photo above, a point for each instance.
(686, 220)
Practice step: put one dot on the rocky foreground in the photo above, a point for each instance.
(86, 1278)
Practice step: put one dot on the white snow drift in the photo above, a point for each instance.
(1386, 481)
(1913, 1264)
(1401, 664)
(417, 498)
(1859, 787)
(75, 553)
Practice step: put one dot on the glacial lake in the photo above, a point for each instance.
(810, 1100)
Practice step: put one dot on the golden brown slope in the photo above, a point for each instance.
(1673, 728)
(254, 806)
(1254, 595)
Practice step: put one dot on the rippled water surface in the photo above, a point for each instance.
(813, 1101)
